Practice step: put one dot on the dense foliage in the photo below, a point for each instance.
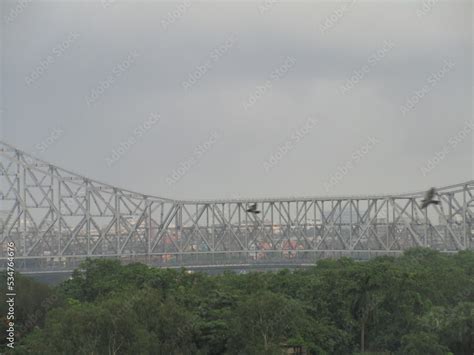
(419, 303)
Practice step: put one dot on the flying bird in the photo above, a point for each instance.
(428, 200)
(253, 209)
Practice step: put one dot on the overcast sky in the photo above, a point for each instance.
(249, 99)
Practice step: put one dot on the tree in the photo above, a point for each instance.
(422, 343)
(420, 303)
(266, 320)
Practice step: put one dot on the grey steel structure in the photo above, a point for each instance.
(57, 218)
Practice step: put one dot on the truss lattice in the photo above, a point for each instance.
(57, 218)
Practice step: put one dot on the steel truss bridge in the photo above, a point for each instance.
(57, 218)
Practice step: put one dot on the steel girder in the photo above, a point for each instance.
(57, 218)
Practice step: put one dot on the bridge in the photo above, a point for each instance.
(57, 218)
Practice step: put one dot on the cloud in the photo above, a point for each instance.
(324, 61)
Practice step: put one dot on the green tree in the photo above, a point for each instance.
(266, 320)
(422, 343)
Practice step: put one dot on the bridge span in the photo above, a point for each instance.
(57, 218)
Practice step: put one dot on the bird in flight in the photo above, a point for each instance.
(428, 200)
(253, 209)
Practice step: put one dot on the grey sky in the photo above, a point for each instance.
(244, 42)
